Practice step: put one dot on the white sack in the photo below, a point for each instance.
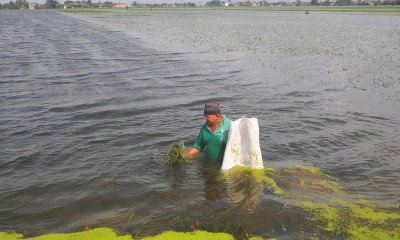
(243, 146)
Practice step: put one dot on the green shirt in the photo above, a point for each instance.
(213, 143)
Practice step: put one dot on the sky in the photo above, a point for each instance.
(116, 1)
(131, 1)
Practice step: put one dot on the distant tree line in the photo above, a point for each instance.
(18, 4)
(216, 3)
(359, 2)
(24, 4)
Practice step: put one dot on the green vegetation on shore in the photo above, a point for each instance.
(359, 9)
(308, 9)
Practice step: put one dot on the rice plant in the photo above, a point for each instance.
(176, 155)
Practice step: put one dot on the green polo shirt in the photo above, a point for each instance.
(213, 143)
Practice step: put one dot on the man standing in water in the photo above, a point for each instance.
(213, 134)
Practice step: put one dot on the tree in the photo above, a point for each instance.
(343, 2)
(21, 4)
(314, 2)
(214, 3)
(51, 3)
(11, 5)
(108, 4)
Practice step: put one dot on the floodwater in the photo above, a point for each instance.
(90, 104)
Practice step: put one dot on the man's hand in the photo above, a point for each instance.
(191, 152)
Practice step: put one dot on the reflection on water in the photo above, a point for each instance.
(244, 190)
(210, 172)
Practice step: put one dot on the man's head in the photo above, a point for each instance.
(212, 113)
(211, 108)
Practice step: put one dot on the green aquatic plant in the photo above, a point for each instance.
(259, 175)
(336, 217)
(310, 179)
(10, 236)
(331, 216)
(365, 210)
(98, 234)
(176, 155)
(195, 235)
(109, 234)
(353, 220)
(313, 179)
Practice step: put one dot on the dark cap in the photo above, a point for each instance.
(211, 108)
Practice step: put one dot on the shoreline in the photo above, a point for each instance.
(331, 9)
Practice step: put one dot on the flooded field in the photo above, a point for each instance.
(90, 107)
(350, 50)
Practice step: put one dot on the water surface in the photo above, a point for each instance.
(90, 104)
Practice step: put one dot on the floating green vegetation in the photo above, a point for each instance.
(176, 155)
(98, 234)
(109, 234)
(330, 214)
(354, 220)
(171, 235)
(259, 175)
(312, 178)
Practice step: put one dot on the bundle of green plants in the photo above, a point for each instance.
(176, 154)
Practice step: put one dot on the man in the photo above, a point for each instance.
(213, 134)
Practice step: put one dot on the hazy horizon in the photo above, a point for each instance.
(128, 1)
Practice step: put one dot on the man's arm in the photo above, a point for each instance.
(191, 152)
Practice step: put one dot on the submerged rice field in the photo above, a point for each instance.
(347, 48)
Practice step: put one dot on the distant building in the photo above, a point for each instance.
(75, 5)
(121, 5)
(168, 5)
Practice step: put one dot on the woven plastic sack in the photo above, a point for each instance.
(243, 146)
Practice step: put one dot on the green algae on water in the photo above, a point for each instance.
(259, 175)
(353, 219)
(176, 155)
(109, 234)
(195, 235)
(311, 179)
(10, 236)
(331, 212)
(97, 234)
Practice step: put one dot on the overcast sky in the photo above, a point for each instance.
(116, 1)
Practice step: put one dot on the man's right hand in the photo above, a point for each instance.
(192, 152)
